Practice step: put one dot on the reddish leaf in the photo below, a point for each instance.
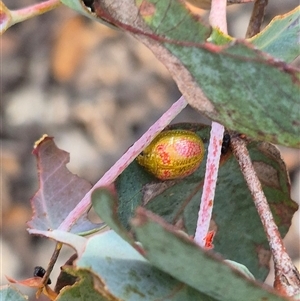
(35, 282)
(30, 282)
(60, 190)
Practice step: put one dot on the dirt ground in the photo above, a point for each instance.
(95, 90)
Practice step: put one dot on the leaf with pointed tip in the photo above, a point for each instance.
(35, 282)
(10, 293)
(59, 191)
(239, 232)
(281, 37)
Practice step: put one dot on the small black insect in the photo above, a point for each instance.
(225, 144)
(89, 4)
(40, 272)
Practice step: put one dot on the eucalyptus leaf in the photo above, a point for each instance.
(281, 37)
(117, 271)
(10, 293)
(175, 253)
(179, 256)
(234, 84)
(241, 82)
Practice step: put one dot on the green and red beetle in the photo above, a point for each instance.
(173, 154)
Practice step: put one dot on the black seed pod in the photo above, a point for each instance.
(225, 144)
(89, 4)
(40, 272)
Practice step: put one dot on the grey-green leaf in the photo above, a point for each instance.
(10, 293)
(281, 37)
(179, 256)
(121, 273)
(235, 84)
(251, 92)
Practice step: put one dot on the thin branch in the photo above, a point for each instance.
(217, 16)
(51, 264)
(111, 175)
(26, 13)
(257, 18)
(287, 278)
(239, 1)
(210, 182)
(202, 237)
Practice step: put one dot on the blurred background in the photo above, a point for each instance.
(95, 90)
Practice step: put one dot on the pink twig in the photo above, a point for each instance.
(217, 19)
(210, 181)
(111, 175)
(33, 11)
(287, 278)
(217, 16)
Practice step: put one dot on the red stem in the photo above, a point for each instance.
(32, 11)
(217, 18)
(210, 182)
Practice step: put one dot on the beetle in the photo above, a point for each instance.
(173, 154)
